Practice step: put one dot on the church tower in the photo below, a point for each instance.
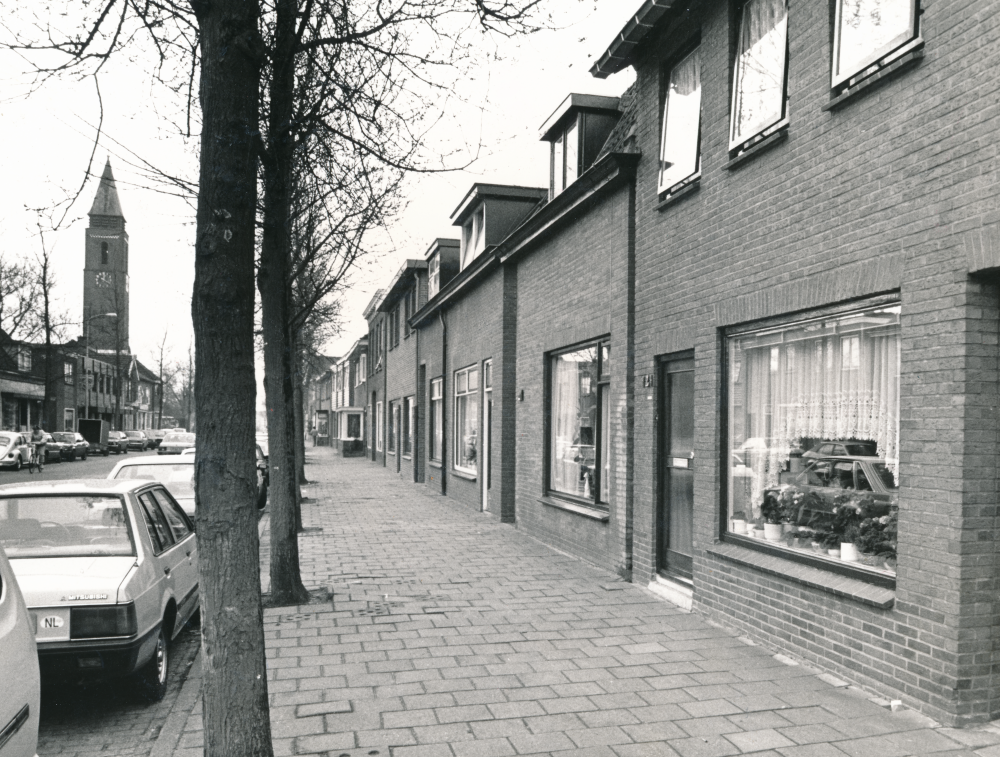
(105, 272)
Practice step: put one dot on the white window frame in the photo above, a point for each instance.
(474, 235)
(434, 276)
(362, 369)
(738, 141)
(560, 161)
(67, 372)
(462, 396)
(437, 420)
(380, 427)
(24, 359)
(391, 440)
(406, 432)
(838, 75)
(666, 181)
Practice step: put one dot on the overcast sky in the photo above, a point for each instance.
(48, 137)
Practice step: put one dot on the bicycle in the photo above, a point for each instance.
(34, 462)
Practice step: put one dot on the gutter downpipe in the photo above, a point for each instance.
(444, 402)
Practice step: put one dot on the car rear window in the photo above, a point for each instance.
(184, 438)
(64, 437)
(177, 477)
(5, 439)
(65, 526)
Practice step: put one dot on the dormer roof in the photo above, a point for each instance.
(480, 192)
(106, 201)
(438, 243)
(400, 283)
(618, 56)
(572, 105)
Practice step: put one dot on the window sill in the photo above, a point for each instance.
(679, 193)
(573, 507)
(390, 452)
(434, 464)
(913, 54)
(778, 134)
(407, 457)
(463, 474)
(854, 589)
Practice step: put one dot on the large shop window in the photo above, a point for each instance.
(437, 419)
(681, 137)
(760, 70)
(353, 426)
(578, 402)
(814, 437)
(466, 419)
(869, 30)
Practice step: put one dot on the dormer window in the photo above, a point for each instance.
(433, 276)
(566, 158)
(474, 236)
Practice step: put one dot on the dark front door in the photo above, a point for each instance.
(676, 502)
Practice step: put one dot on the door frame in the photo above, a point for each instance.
(663, 364)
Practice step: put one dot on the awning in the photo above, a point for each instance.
(22, 388)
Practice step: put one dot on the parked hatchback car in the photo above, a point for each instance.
(75, 445)
(19, 694)
(55, 450)
(14, 450)
(843, 448)
(109, 570)
(138, 440)
(117, 442)
(157, 436)
(175, 443)
(177, 474)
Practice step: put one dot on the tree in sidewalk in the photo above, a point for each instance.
(219, 40)
(357, 82)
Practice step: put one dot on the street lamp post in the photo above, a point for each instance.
(86, 339)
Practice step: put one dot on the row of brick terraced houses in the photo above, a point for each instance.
(744, 347)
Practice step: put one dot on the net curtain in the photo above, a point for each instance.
(836, 387)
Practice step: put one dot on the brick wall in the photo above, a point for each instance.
(872, 197)
(563, 299)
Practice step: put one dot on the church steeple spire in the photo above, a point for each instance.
(106, 201)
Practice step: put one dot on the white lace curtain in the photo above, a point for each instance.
(832, 387)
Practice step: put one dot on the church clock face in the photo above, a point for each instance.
(103, 279)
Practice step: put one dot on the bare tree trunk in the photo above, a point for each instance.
(300, 432)
(235, 703)
(272, 281)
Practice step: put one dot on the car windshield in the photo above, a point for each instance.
(62, 436)
(177, 477)
(69, 525)
(187, 439)
(133, 434)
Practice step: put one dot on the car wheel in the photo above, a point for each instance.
(17, 463)
(83, 456)
(262, 496)
(107, 452)
(151, 679)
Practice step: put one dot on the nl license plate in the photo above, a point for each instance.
(52, 624)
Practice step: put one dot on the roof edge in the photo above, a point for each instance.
(618, 56)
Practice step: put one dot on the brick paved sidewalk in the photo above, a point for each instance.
(449, 634)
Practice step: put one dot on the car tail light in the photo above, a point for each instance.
(99, 622)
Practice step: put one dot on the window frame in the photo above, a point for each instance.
(390, 430)
(559, 172)
(67, 372)
(458, 395)
(474, 236)
(379, 428)
(876, 59)
(738, 145)
(665, 190)
(436, 452)
(407, 426)
(778, 324)
(602, 391)
(433, 276)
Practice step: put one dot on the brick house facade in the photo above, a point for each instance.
(746, 351)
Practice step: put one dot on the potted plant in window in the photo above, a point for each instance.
(738, 523)
(758, 529)
(849, 552)
(831, 543)
(773, 514)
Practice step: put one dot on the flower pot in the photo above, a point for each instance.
(834, 552)
(848, 552)
(738, 526)
(772, 531)
(816, 546)
(787, 528)
(757, 533)
(867, 559)
(890, 564)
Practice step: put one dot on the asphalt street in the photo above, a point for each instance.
(92, 467)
